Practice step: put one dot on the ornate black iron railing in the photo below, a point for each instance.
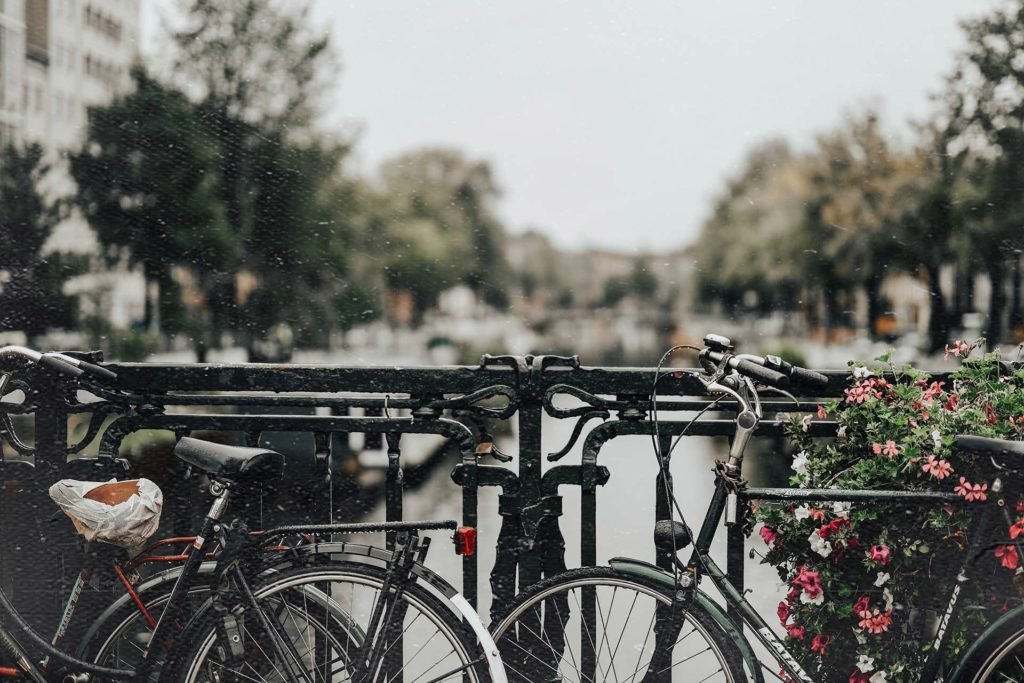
(466, 405)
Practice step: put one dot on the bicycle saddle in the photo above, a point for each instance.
(991, 447)
(235, 463)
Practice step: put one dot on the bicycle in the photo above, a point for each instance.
(322, 610)
(634, 621)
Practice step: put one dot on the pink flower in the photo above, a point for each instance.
(940, 469)
(820, 643)
(874, 621)
(796, 631)
(821, 413)
(891, 449)
(1007, 556)
(862, 605)
(950, 405)
(971, 491)
(768, 534)
(960, 348)
(880, 553)
(809, 581)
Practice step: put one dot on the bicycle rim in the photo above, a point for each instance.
(325, 614)
(547, 636)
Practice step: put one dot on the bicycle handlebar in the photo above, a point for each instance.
(769, 370)
(64, 364)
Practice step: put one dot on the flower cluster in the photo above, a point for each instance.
(863, 578)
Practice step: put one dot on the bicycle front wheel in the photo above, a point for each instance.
(1003, 661)
(596, 624)
(334, 623)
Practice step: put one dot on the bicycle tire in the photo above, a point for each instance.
(542, 636)
(435, 639)
(1003, 661)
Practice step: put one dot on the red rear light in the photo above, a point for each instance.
(465, 540)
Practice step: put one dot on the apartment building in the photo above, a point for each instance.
(57, 58)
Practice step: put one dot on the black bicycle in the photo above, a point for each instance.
(265, 611)
(634, 621)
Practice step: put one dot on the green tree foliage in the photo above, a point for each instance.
(750, 242)
(985, 103)
(147, 182)
(434, 226)
(31, 298)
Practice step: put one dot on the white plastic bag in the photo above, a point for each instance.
(128, 523)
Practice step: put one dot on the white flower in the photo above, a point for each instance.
(861, 372)
(878, 677)
(866, 664)
(841, 432)
(887, 594)
(883, 577)
(805, 422)
(861, 638)
(841, 509)
(819, 544)
(812, 601)
(802, 512)
(937, 438)
(799, 464)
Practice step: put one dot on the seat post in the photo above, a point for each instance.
(220, 503)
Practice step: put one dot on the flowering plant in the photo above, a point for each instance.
(864, 578)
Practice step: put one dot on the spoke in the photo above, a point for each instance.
(530, 654)
(629, 615)
(643, 648)
(260, 648)
(604, 628)
(568, 646)
(583, 621)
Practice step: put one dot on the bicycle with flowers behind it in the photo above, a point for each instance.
(633, 621)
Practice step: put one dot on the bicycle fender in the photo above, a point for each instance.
(651, 572)
(981, 643)
(494, 663)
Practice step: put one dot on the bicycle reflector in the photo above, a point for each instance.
(465, 540)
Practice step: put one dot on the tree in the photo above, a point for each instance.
(147, 182)
(438, 227)
(259, 68)
(985, 106)
(31, 298)
(254, 61)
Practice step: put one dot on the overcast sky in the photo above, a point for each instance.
(613, 124)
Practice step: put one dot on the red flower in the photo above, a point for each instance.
(1007, 556)
(862, 605)
(950, 405)
(1017, 528)
(880, 553)
(793, 594)
(768, 534)
(832, 527)
(990, 414)
(783, 612)
(859, 676)
(820, 643)
(796, 631)
(817, 514)
(821, 413)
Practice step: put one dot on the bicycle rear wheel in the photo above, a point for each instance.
(418, 638)
(547, 635)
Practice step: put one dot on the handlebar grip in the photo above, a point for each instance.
(60, 366)
(808, 378)
(761, 373)
(98, 371)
